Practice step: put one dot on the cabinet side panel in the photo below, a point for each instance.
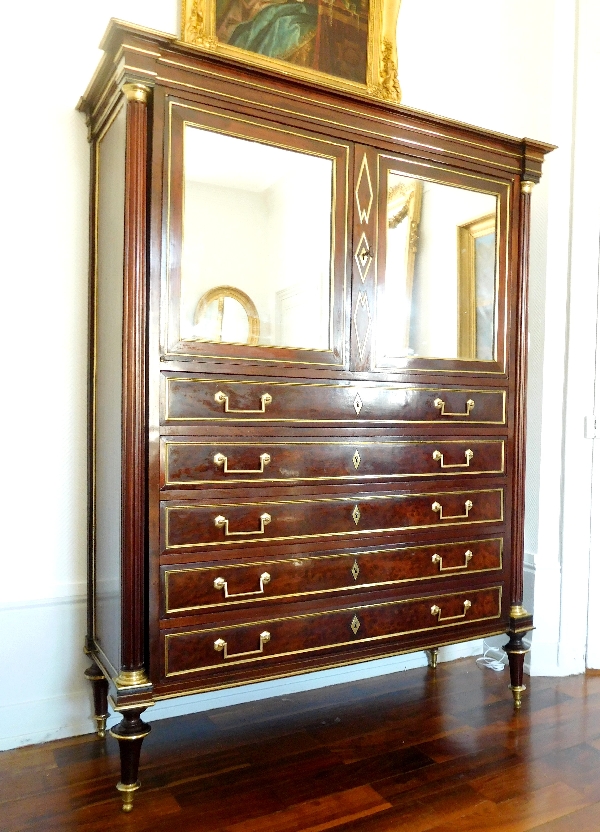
(108, 385)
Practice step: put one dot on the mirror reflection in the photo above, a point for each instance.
(439, 296)
(256, 255)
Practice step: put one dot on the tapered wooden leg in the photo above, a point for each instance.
(100, 690)
(432, 656)
(516, 651)
(130, 733)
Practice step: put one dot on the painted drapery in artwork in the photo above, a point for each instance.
(326, 35)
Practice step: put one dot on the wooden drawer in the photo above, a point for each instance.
(191, 588)
(196, 399)
(205, 649)
(187, 463)
(199, 525)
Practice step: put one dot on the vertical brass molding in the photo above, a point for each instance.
(522, 329)
(91, 400)
(133, 464)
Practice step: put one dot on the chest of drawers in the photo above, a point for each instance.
(308, 369)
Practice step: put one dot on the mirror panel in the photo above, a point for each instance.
(439, 295)
(256, 262)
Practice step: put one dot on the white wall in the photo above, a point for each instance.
(501, 65)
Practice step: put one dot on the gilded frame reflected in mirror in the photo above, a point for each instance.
(477, 288)
(219, 294)
(404, 214)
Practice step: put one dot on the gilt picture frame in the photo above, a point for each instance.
(477, 277)
(347, 44)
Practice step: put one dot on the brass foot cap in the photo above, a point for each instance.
(127, 791)
(517, 691)
(101, 726)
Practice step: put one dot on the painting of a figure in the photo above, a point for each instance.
(326, 35)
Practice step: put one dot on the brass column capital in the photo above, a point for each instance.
(137, 92)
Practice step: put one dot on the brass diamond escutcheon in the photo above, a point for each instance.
(356, 514)
(355, 625)
(363, 257)
(355, 570)
(358, 404)
(356, 459)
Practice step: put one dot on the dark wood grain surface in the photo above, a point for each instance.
(409, 751)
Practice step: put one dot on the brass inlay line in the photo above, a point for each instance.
(222, 522)
(364, 212)
(429, 132)
(343, 152)
(400, 651)
(355, 572)
(169, 380)
(356, 459)
(354, 611)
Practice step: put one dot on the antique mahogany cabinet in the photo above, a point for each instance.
(309, 340)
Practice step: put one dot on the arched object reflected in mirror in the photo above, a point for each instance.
(227, 314)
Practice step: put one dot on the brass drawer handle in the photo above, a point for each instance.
(223, 523)
(221, 645)
(438, 456)
(223, 398)
(221, 459)
(435, 610)
(438, 559)
(441, 405)
(221, 583)
(437, 507)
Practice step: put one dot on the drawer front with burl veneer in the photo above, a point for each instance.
(188, 463)
(191, 399)
(193, 525)
(204, 649)
(189, 589)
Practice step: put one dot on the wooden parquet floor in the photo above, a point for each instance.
(413, 751)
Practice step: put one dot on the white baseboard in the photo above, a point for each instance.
(45, 696)
(307, 681)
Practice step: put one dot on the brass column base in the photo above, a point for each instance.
(432, 656)
(127, 792)
(517, 691)
(101, 725)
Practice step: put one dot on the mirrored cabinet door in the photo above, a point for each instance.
(257, 227)
(441, 271)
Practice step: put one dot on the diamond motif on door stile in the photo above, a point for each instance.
(363, 257)
(355, 625)
(362, 323)
(356, 514)
(355, 569)
(356, 458)
(357, 404)
(364, 191)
